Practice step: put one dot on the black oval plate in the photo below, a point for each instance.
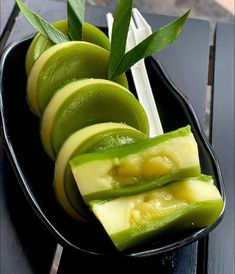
(34, 170)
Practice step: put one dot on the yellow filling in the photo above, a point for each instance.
(144, 166)
(154, 206)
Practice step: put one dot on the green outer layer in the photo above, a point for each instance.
(196, 215)
(66, 62)
(143, 186)
(93, 104)
(40, 43)
(132, 148)
(111, 139)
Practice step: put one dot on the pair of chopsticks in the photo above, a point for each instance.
(139, 29)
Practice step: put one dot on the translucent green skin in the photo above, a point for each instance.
(196, 214)
(131, 149)
(40, 43)
(106, 140)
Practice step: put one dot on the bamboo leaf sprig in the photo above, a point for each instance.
(120, 60)
(162, 38)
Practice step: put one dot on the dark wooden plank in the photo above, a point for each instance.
(6, 8)
(221, 240)
(186, 62)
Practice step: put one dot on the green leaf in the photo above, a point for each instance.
(42, 25)
(75, 16)
(120, 29)
(157, 41)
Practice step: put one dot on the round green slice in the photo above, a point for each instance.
(40, 43)
(87, 102)
(62, 64)
(95, 137)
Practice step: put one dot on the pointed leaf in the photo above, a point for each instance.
(42, 25)
(157, 41)
(120, 29)
(75, 16)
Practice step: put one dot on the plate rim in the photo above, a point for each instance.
(36, 206)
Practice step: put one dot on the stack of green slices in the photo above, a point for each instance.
(97, 132)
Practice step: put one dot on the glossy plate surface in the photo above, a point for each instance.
(34, 169)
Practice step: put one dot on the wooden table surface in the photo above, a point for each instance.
(30, 248)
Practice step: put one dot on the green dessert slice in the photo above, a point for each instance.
(87, 102)
(40, 43)
(137, 167)
(183, 205)
(61, 64)
(92, 138)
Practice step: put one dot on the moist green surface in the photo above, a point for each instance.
(197, 215)
(69, 63)
(179, 206)
(40, 43)
(91, 105)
